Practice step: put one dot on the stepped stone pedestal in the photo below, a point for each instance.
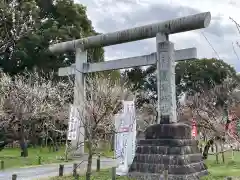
(168, 147)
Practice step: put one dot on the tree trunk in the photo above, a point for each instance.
(222, 150)
(113, 142)
(23, 146)
(56, 148)
(23, 143)
(217, 159)
(89, 164)
(206, 148)
(204, 138)
(33, 135)
(200, 148)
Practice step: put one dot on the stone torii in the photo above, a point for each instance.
(164, 58)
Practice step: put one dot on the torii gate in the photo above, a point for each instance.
(164, 58)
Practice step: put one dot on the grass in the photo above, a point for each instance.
(103, 175)
(11, 157)
(231, 167)
(106, 175)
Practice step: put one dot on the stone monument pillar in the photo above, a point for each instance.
(166, 79)
(168, 145)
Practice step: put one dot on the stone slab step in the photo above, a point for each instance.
(168, 131)
(172, 169)
(168, 159)
(168, 142)
(154, 176)
(147, 149)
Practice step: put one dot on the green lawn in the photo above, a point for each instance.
(106, 175)
(11, 157)
(103, 175)
(231, 167)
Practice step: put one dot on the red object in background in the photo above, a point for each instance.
(194, 128)
(232, 127)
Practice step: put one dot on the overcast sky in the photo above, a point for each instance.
(112, 15)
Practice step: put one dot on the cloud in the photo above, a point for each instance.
(221, 30)
(113, 15)
(156, 13)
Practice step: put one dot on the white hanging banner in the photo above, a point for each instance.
(73, 123)
(125, 138)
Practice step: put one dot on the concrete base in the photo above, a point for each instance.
(168, 147)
